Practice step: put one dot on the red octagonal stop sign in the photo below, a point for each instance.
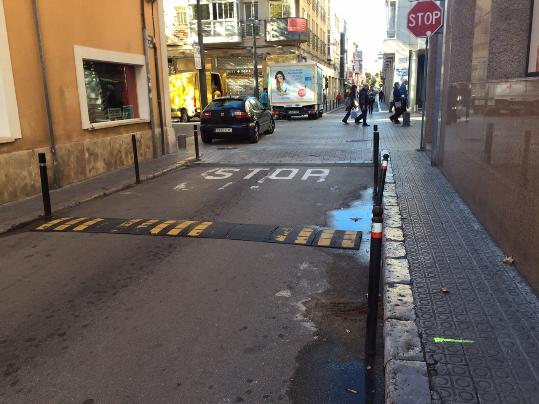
(425, 18)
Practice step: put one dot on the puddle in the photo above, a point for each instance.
(357, 217)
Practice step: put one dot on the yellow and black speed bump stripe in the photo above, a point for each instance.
(297, 235)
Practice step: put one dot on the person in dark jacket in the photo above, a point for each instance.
(363, 98)
(381, 96)
(397, 99)
(350, 103)
(372, 99)
(404, 94)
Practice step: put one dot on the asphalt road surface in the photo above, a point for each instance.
(121, 318)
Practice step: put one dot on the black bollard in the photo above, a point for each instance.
(376, 158)
(135, 158)
(374, 282)
(382, 180)
(195, 135)
(42, 158)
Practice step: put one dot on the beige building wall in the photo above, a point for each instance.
(489, 145)
(82, 153)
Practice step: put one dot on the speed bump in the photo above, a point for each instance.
(312, 236)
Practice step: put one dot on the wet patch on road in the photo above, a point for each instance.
(333, 369)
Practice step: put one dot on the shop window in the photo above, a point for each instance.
(112, 86)
(111, 91)
(10, 128)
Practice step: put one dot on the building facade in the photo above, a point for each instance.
(489, 145)
(404, 54)
(75, 86)
(285, 31)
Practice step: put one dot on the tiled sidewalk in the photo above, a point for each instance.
(461, 288)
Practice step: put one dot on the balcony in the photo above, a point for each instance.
(283, 30)
(218, 31)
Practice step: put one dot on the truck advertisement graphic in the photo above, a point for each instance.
(296, 89)
(293, 84)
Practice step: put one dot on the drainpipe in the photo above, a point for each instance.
(158, 84)
(148, 77)
(55, 167)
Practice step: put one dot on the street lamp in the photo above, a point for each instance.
(254, 23)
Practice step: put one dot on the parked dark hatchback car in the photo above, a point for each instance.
(235, 117)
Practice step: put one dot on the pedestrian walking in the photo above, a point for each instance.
(350, 103)
(372, 98)
(338, 98)
(404, 94)
(264, 98)
(363, 98)
(397, 96)
(381, 96)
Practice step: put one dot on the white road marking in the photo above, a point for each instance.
(253, 172)
(322, 173)
(275, 174)
(181, 187)
(219, 173)
(226, 185)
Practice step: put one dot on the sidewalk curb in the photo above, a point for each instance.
(23, 221)
(405, 368)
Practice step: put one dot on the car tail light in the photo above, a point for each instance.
(205, 115)
(241, 115)
(195, 102)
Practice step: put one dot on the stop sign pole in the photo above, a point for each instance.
(423, 20)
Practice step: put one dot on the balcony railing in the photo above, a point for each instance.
(218, 31)
(277, 30)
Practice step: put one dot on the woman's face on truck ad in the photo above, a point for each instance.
(280, 78)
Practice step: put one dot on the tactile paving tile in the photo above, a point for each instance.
(487, 303)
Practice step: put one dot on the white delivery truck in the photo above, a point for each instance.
(296, 89)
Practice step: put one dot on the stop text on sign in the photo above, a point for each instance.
(420, 19)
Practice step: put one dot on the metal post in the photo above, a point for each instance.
(382, 180)
(135, 158)
(487, 154)
(195, 135)
(42, 158)
(255, 63)
(438, 80)
(424, 95)
(202, 71)
(374, 281)
(376, 159)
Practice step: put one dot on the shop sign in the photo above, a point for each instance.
(297, 25)
(196, 54)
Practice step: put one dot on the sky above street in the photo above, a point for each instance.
(366, 24)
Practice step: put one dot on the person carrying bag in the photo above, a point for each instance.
(350, 104)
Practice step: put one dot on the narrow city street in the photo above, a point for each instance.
(97, 317)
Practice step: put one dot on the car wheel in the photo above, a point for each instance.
(271, 128)
(255, 135)
(206, 139)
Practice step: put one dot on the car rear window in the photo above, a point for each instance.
(226, 104)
